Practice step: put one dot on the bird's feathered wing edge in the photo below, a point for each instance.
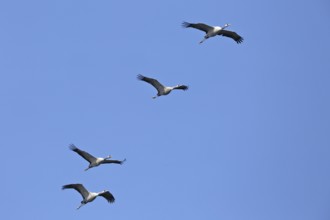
(78, 187)
(182, 87)
(200, 26)
(152, 82)
(108, 196)
(232, 35)
(82, 153)
(114, 161)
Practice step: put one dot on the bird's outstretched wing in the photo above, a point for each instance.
(151, 81)
(232, 35)
(200, 26)
(79, 187)
(182, 87)
(82, 153)
(114, 161)
(108, 196)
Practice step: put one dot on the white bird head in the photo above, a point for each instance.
(109, 156)
(226, 25)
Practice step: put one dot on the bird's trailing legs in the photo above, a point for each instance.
(206, 37)
(87, 168)
(81, 205)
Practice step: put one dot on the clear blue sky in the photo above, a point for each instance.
(250, 139)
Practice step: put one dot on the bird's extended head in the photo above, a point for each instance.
(108, 157)
(226, 25)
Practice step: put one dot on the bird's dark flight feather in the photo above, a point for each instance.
(232, 35)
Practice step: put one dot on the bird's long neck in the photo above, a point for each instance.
(225, 26)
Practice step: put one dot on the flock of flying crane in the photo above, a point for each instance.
(210, 31)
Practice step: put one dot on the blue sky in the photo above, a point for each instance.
(249, 139)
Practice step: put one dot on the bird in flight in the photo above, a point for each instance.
(94, 161)
(89, 196)
(212, 31)
(162, 90)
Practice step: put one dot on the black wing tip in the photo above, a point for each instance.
(112, 200)
(109, 197)
(186, 24)
(123, 161)
(66, 186)
(70, 186)
(184, 87)
(73, 147)
(240, 40)
(140, 77)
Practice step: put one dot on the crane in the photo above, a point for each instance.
(89, 196)
(94, 161)
(162, 90)
(212, 31)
